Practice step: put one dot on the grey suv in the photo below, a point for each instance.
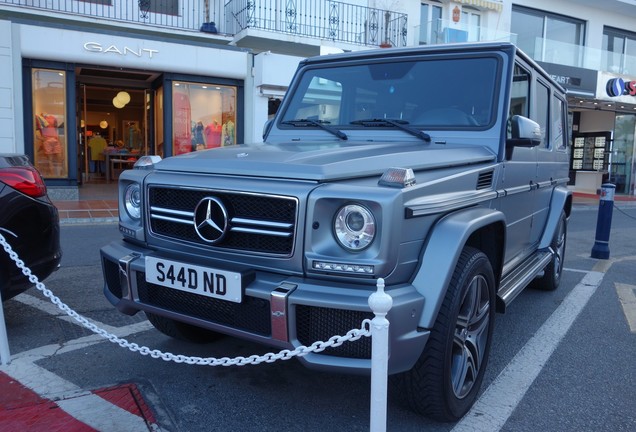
(441, 169)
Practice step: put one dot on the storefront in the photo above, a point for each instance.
(618, 92)
(603, 119)
(99, 93)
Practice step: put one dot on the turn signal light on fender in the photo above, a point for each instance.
(397, 177)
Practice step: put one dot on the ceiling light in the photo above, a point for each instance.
(117, 103)
(103, 124)
(123, 97)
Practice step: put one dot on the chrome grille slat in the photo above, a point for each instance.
(257, 223)
(260, 231)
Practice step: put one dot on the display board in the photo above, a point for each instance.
(590, 151)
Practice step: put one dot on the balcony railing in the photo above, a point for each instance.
(552, 51)
(329, 20)
(444, 31)
(174, 14)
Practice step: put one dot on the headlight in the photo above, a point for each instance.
(354, 227)
(132, 201)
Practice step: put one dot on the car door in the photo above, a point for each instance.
(519, 175)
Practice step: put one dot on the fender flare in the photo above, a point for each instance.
(561, 200)
(441, 253)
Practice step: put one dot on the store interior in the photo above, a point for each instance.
(114, 109)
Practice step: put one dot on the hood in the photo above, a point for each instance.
(323, 161)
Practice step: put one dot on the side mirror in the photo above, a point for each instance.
(267, 127)
(525, 132)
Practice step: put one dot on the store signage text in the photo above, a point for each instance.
(121, 50)
(566, 80)
(619, 87)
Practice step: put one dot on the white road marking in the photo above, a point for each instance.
(627, 296)
(494, 407)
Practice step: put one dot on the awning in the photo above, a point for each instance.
(483, 4)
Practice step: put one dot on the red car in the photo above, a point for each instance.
(29, 222)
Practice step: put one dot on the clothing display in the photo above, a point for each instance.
(213, 135)
(227, 133)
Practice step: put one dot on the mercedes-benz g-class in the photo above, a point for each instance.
(441, 169)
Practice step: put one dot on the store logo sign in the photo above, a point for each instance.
(121, 50)
(619, 87)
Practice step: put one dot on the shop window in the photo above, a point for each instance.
(203, 116)
(49, 126)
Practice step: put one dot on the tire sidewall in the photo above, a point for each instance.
(477, 265)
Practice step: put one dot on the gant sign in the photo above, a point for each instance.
(123, 50)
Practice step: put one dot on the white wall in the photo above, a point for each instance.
(272, 74)
(11, 133)
(596, 121)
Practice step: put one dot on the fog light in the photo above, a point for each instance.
(343, 267)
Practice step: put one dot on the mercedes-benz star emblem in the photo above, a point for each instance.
(210, 220)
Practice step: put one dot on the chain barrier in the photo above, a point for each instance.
(334, 341)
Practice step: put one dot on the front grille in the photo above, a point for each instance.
(319, 324)
(251, 315)
(257, 223)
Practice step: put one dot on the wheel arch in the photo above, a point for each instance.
(480, 227)
(561, 201)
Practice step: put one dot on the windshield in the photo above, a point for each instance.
(427, 93)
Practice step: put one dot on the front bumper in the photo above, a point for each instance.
(277, 310)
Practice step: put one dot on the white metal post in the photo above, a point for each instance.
(380, 303)
(5, 355)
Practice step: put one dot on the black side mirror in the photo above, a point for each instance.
(525, 132)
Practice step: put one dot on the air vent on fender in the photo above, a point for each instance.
(484, 181)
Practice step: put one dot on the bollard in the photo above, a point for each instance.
(600, 249)
(380, 303)
(5, 355)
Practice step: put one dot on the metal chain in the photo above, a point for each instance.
(334, 341)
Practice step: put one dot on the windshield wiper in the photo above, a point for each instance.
(322, 124)
(400, 124)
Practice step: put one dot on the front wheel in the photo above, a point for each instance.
(445, 380)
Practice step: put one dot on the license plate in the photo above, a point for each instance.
(195, 279)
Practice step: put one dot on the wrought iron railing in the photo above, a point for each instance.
(174, 14)
(329, 20)
(332, 20)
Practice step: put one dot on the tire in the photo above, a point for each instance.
(182, 331)
(444, 382)
(551, 278)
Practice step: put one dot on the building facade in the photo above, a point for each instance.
(176, 76)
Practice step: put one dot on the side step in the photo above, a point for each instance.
(514, 282)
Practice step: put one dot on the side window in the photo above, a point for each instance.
(559, 139)
(543, 112)
(519, 94)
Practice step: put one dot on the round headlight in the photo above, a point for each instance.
(354, 227)
(132, 201)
